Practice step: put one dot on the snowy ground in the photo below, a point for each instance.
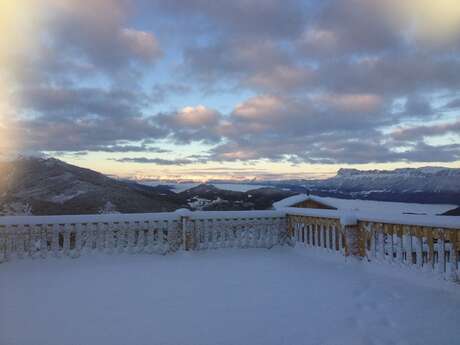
(242, 296)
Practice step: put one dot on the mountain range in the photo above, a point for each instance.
(51, 186)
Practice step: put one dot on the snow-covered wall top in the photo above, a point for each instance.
(350, 217)
(137, 217)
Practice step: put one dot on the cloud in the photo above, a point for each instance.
(156, 161)
(106, 41)
(418, 133)
(294, 81)
(191, 124)
(256, 18)
(161, 92)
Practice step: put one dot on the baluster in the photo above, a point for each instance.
(399, 243)
(222, 232)
(142, 239)
(407, 245)
(18, 241)
(315, 234)
(121, 237)
(453, 268)
(55, 229)
(110, 237)
(66, 240)
(381, 241)
(441, 252)
(2, 243)
(8, 242)
(172, 237)
(419, 249)
(156, 237)
(43, 241)
(334, 238)
(199, 238)
(204, 231)
(149, 226)
(430, 241)
(373, 235)
(309, 233)
(328, 236)
(91, 236)
(130, 228)
(78, 230)
(100, 229)
(213, 238)
(340, 237)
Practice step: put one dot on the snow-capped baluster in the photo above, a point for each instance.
(100, 228)
(154, 227)
(334, 237)
(206, 233)
(44, 241)
(7, 242)
(173, 237)
(269, 234)
(66, 240)
(408, 245)
(262, 233)
(88, 238)
(397, 253)
(121, 237)
(130, 229)
(419, 249)
(55, 230)
(19, 241)
(440, 246)
(36, 240)
(391, 237)
(218, 233)
(431, 256)
(142, 237)
(327, 237)
(149, 226)
(276, 233)
(211, 224)
(453, 259)
(400, 237)
(78, 228)
(307, 228)
(110, 237)
(316, 234)
(226, 233)
(2, 242)
(381, 242)
(157, 238)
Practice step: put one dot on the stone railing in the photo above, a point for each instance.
(430, 243)
(40, 236)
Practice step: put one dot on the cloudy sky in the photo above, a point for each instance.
(231, 89)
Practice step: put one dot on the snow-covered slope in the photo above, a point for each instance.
(428, 179)
(415, 185)
(51, 186)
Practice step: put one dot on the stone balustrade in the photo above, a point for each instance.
(428, 243)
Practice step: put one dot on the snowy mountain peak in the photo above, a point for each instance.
(401, 172)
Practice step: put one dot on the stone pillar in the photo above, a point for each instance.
(186, 237)
(354, 236)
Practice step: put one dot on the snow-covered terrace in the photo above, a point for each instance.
(288, 276)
